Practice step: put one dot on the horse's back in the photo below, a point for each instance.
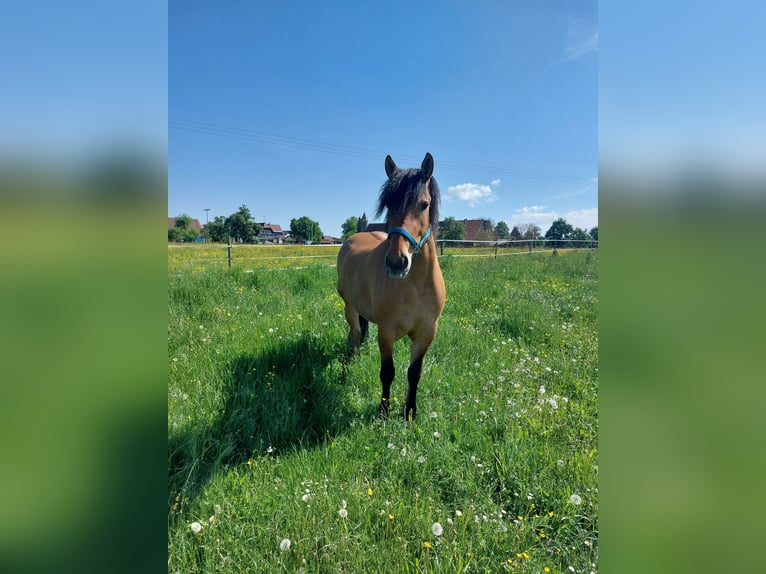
(357, 248)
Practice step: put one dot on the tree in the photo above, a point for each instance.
(183, 230)
(450, 228)
(515, 232)
(350, 227)
(305, 230)
(241, 226)
(580, 235)
(529, 231)
(501, 230)
(594, 233)
(559, 231)
(216, 229)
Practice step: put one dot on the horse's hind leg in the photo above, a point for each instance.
(355, 329)
(364, 326)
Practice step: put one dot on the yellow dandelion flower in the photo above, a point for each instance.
(518, 555)
(250, 462)
(546, 569)
(520, 518)
(550, 513)
(369, 492)
(525, 556)
(543, 535)
(426, 544)
(390, 516)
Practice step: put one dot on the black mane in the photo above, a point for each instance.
(402, 190)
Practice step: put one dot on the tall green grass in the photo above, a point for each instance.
(272, 438)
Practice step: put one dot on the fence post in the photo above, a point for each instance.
(495, 249)
(442, 247)
(229, 252)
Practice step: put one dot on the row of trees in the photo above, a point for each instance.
(454, 229)
(241, 228)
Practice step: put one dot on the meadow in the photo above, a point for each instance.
(279, 463)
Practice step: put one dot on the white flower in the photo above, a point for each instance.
(404, 451)
(575, 499)
(343, 504)
(421, 459)
(436, 528)
(217, 509)
(305, 498)
(390, 445)
(436, 434)
(196, 527)
(285, 544)
(541, 390)
(343, 513)
(458, 513)
(433, 414)
(571, 569)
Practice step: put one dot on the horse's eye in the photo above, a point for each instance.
(423, 205)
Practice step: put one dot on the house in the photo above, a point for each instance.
(474, 227)
(195, 224)
(329, 240)
(271, 233)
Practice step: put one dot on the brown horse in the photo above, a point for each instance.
(394, 279)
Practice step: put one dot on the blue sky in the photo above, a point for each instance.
(291, 107)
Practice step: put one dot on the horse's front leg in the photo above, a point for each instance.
(387, 371)
(419, 348)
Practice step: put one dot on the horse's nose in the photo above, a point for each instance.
(396, 265)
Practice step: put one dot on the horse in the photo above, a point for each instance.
(393, 279)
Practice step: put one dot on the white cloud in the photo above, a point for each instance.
(494, 182)
(471, 193)
(584, 218)
(581, 38)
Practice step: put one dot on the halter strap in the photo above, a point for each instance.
(407, 235)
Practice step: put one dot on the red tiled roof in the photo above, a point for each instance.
(194, 223)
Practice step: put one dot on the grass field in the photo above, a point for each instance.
(276, 453)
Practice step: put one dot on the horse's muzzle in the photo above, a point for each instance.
(397, 267)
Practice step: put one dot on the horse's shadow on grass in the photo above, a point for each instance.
(290, 396)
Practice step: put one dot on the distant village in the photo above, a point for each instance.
(273, 234)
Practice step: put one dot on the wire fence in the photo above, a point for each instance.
(203, 256)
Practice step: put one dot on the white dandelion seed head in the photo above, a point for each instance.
(437, 529)
(305, 498)
(575, 499)
(196, 527)
(343, 513)
(421, 459)
(343, 504)
(217, 509)
(541, 390)
(404, 451)
(458, 513)
(285, 544)
(436, 434)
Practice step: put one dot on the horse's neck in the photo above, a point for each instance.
(426, 260)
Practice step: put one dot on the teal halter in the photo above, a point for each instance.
(406, 234)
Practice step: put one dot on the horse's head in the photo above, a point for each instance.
(411, 199)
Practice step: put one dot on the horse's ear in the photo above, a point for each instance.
(391, 168)
(427, 167)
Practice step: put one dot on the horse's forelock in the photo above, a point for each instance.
(402, 190)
